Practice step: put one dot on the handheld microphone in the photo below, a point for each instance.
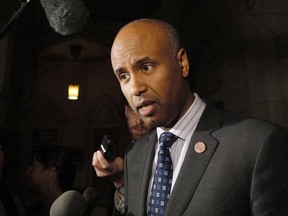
(70, 203)
(90, 194)
(107, 148)
(66, 16)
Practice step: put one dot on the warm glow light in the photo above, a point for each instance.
(73, 92)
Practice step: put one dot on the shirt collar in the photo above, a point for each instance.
(186, 125)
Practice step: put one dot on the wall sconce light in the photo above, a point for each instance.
(73, 88)
(73, 91)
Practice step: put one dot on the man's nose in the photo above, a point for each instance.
(139, 121)
(138, 85)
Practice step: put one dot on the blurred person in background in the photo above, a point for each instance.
(52, 173)
(136, 125)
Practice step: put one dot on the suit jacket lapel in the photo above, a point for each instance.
(194, 164)
(146, 172)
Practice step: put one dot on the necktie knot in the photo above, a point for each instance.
(166, 140)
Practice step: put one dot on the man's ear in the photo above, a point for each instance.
(126, 111)
(51, 172)
(183, 62)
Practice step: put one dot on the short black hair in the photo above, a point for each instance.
(64, 159)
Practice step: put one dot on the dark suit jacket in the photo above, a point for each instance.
(243, 171)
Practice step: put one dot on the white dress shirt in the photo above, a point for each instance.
(184, 130)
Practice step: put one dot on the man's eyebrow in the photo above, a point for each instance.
(118, 70)
(141, 60)
(137, 62)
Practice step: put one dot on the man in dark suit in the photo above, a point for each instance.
(223, 164)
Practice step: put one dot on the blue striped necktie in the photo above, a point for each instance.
(161, 187)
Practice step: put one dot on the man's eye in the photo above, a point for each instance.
(123, 76)
(146, 67)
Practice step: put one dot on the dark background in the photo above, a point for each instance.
(237, 49)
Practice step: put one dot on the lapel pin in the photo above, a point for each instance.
(200, 147)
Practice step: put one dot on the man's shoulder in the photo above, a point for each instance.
(253, 124)
(241, 121)
(143, 143)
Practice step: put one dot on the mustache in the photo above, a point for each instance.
(138, 126)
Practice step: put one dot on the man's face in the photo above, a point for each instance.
(150, 75)
(38, 176)
(136, 125)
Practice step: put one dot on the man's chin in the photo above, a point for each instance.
(150, 121)
(137, 135)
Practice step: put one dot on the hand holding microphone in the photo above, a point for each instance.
(106, 164)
